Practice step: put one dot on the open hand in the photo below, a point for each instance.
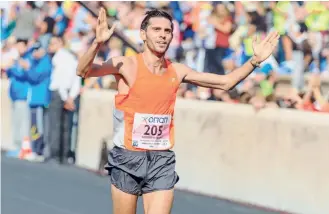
(263, 49)
(103, 33)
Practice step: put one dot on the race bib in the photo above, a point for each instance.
(151, 131)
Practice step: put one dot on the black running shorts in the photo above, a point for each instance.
(140, 172)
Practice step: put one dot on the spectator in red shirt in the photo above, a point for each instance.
(222, 21)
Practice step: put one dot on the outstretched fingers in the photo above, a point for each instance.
(102, 17)
(113, 28)
(104, 21)
(270, 37)
(99, 18)
(274, 36)
(255, 39)
(274, 40)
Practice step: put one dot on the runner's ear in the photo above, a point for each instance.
(143, 35)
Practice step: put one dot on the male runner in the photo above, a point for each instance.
(141, 163)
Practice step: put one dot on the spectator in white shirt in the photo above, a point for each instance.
(65, 88)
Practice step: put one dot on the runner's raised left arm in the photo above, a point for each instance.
(262, 50)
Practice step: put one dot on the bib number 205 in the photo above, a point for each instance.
(153, 130)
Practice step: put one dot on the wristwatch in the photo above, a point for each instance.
(254, 62)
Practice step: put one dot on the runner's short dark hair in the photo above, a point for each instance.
(155, 13)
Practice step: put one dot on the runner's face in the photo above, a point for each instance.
(158, 35)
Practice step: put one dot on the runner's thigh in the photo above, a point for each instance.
(158, 202)
(126, 170)
(123, 203)
(158, 189)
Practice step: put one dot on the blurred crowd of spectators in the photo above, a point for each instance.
(41, 43)
(217, 37)
(208, 36)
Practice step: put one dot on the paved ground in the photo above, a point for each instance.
(29, 188)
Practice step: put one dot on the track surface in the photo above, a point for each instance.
(34, 188)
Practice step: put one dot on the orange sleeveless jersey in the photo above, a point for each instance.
(143, 118)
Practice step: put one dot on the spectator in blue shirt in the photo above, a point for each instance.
(19, 92)
(39, 79)
(57, 13)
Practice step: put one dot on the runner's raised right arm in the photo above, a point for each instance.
(86, 66)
